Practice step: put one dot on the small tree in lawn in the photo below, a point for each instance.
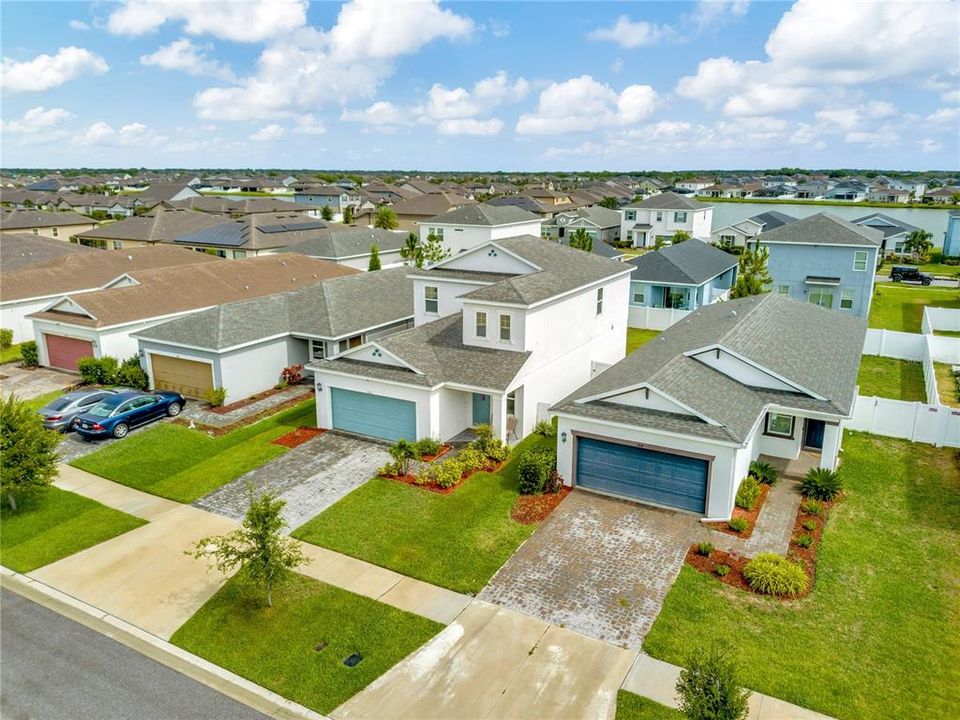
(348, 214)
(257, 549)
(581, 240)
(609, 202)
(374, 258)
(326, 212)
(709, 689)
(411, 252)
(433, 250)
(919, 243)
(753, 278)
(385, 218)
(28, 455)
(680, 236)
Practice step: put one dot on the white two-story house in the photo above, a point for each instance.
(470, 225)
(661, 216)
(501, 331)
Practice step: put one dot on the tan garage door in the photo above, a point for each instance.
(63, 352)
(187, 377)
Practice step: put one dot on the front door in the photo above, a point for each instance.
(481, 409)
(813, 434)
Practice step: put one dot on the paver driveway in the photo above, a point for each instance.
(599, 566)
(28, 384)
(310, 478)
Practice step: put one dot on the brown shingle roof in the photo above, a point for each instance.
(160, 225)
(23, 250)
(25, 219)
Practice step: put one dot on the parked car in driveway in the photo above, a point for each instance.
(906, 273)
(59, 414)
(116, 415)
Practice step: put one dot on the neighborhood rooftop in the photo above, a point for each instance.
(338, 242)
(669, 201)
(823, 229)
(484, 214)
(23, 250)
(24, 219)
(686, 263)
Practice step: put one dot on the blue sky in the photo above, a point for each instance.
(482, 86)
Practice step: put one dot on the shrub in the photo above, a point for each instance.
(803, 541)
(747, 493)
(28, 455)
(428, 446)
(705, 548)
(554, 482)
(809, 506)
(484, 435)
(810, 525)
(215, 396)
(773, 574)
(497, 450)
(709, 689)
(29, 353)
(6, 338)
(403, 451)
(131, 374)
(292, 375)
(738, 524)
(391, 469)
(722, 570)
(471, 459)
(821, 484)
(763, 472)
(98, 371)
(533, 469)
(545, 428)
(448, 473)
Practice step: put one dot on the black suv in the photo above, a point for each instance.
(901, 273)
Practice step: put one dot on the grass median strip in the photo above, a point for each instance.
(53, 524)
(181, 464)
(297, 647)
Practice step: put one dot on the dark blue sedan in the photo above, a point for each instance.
(117, 414)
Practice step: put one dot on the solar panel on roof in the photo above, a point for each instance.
(290, 227)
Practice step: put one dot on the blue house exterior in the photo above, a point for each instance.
(951, 239)
(824, 260)
(682, 277)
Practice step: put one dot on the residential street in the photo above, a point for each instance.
(52, 667)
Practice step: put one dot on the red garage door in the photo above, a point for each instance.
(63, 352)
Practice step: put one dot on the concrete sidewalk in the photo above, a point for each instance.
(114, 495)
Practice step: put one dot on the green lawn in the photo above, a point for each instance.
(900, 307)
(275, 647)
(457, 541)
(637, 337)
(634, 707)
(181, 464)
(890, 378)
(54, 524)
(946, 384)
(11, 354)
(879, 637)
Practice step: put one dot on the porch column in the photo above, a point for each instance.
(498, 416)
(832, 435)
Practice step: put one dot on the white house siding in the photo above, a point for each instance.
(256, 368)
(387, 259)
(455, 411)
(698, 224)
(449, 293)
(13, 315)
(463, 237)
(518, 322)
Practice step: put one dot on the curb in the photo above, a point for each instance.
(155, 648)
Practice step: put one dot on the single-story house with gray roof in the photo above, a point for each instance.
(677, 423)
(352, 245)
(242, 346)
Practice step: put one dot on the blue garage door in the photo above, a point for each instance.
(373, 415)
(658, 477)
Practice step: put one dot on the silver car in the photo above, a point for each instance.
(59, 414)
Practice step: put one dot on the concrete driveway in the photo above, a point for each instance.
(599, 566)
(28, 384)
(496, 663)
(310, 478)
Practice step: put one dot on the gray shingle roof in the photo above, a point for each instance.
(823, 229)
(885, 224)
(342, 242)
(436, 349)
(773, 219)
(331, 309)
(484, 214)
(26, 219)
(689, 263)
(669, 201)
(817, 349)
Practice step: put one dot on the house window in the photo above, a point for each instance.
(118, 244)
(779, 425)
(899, 248)
(505, 328)
(728, 239)
(823, 298)
(481, 324)
(680, 217)
(783, 289)
(353, 342)
(56, 232)
(436, 232)
(659, 215)
(630, 215)
(638, 296)
(860, 260)
(431, 298)
(239, 254)
(512, 402)
(318, 349)
(846, 299)
(599, 301)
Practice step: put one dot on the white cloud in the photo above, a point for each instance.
(470, 126)
(380, 113)
(268, 133)
(836, 119)
(38, 119)
(631, 34)
(806, 134)
(249, 21)
(50, 71)
(499, 28)
(309, 68)
(873, 138)
(709, 13)
(309, 125)
(715, 79)
(488, 93)
(102, 134)
(78, 25)
(944, 115)
(951, 96)
(186, 57)
(928, 145)
(583, 104)
(880, 109)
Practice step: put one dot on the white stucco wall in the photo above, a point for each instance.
(13, 315)
(449, 293)
(257, 367)
(463, 237)
(494, 313)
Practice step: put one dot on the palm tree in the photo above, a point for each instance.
(919, 243)
(385, 218)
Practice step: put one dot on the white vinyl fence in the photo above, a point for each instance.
(914, 421)
(654, 318)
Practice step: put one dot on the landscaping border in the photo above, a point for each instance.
(749, 515)
(216, 430)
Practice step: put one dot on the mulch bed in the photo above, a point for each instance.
(224, 409)
(736, 562)
(296, 438)
(433, 487)
(749, 515)
(533, 509)
(444, 449)
(249, 420)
